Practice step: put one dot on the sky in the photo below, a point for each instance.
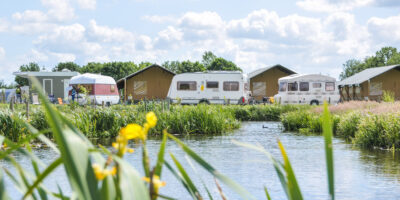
(307, 36)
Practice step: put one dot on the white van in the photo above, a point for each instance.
(213, 87)
(311, 89)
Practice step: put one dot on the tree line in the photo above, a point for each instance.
(384, 57)
(118, 70)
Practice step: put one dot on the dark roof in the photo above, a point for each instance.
(144, 69)
(366, 75)
(264, 69)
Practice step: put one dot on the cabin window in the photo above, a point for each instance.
(292, 86)
(329, 86)
(282, 86)
(112, 88)
(316, 85)
(187, 85)
(231, 86)
(212, 84)
(375, 88)
(259, 88)
(304, 86)
(140, 87)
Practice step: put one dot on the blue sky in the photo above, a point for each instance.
(308, 36)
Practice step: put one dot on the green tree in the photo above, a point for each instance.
(208, 58)
(171, 66)
(67, 65)
(118, 70)
(385, 56)
(143, 65)
(220, 64)
(31, 67)
(92, 67)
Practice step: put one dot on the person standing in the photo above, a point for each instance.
(18, 93)
(73, 93)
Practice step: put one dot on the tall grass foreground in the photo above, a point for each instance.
(99, 173)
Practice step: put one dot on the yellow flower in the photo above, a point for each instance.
(132, 131)
(151, 119)
(157, 183)
(103, 173)
(121, 147)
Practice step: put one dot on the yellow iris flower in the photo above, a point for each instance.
(103, 173)
(151, 119)
(157, 183)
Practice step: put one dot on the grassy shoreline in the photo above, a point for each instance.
(365, 124)
(106, 122)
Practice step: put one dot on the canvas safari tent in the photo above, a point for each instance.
(100, 89)
(151, 82)
(264, 81)
(369, 84)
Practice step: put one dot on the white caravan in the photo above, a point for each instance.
(311, 89)
(213, 87)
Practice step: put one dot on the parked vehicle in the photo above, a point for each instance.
(213, 87)
(97, 89)
(311, 89)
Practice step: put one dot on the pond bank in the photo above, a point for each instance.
(106, 122)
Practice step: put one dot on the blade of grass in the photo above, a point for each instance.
(161, 152)
(327, 131)
(186, 177)
(3, 191)
(74, 151)
(202, 182)
(266, 193)
(180, 178)
(42, 176)
(226, 180)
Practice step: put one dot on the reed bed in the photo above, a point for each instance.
(366, 124)
(99, 122)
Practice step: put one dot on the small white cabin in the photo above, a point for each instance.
(213, 87)
(311, 89)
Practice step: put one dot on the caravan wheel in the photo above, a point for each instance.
(314, 102)
(204, 101)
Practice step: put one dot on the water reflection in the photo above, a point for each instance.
(359, 174)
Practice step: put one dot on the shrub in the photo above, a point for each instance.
(388, 96)
(348, 125)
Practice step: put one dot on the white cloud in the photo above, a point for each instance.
(167, 38)
(332, 5)
(64, 57)
(159, 19)
(385, 29)
(30, 16)
(107, 34)
(87, 4)
(59, 10)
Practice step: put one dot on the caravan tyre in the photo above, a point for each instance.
(204, 101)
(314, 102)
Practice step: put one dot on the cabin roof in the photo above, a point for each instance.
(144, 69)
(264, 69)
(366, 75)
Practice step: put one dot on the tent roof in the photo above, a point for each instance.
(366, 75)
(91, 79)
(264, 69)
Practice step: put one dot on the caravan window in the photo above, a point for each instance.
(186, 85)
(212, 84)
(292, 86)
(282, 86)
(231, 86)
(316, 85)
(304, 86)
(329, 86)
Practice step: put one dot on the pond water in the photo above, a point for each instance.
(358, 174)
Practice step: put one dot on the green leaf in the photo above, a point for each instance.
(43, 175)
(130, 183)
(179, 177)
(74, 152)
(3, 191)
(226, 180)
(266, 193)
(327, 130)
(160, 159)
(293, 187)
(185, 176)
(108, 190)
